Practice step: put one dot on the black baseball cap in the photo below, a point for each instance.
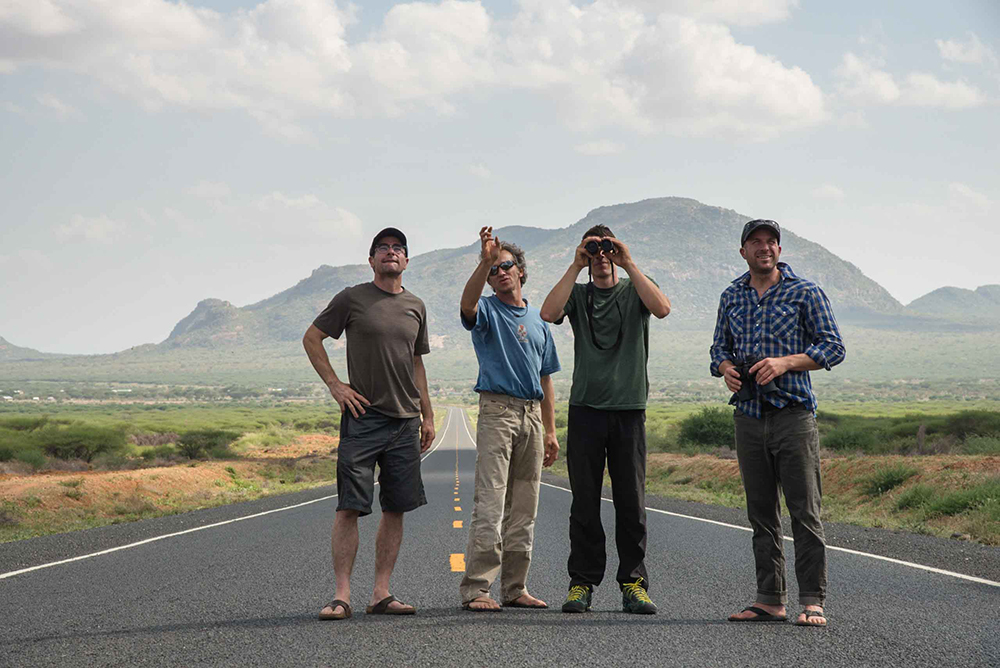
(388, 232)
(756, 224)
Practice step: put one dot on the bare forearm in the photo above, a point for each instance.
(649, 293)
(474, 290)
(552, 308)
(320, 360)
(800, 362)
(420, 375)
(548, 406)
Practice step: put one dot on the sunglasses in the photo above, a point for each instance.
(505, 265)
(396, 248)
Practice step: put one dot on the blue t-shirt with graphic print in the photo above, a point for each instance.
(514, 347)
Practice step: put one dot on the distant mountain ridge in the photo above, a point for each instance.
(981, 305)
(689, 248)
(10, 352)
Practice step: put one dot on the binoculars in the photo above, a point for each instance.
(604, 244)
(749, 389)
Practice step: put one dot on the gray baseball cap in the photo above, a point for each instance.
(756, 224)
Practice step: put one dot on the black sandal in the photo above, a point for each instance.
(762, 616)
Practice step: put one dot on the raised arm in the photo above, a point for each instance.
(474, 286)
(552, 307)
(652, 297)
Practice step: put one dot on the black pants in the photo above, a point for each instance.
(619, 437)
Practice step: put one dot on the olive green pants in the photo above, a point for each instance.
(509, 453)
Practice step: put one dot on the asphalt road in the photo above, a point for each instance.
(242, 586)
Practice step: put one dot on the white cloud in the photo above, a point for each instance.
(480, 170)
(99, 229)
(37, 17)
(965, 197)
(926, 90)
(735, 12)
(605, 65)
(12, 108)
(864, 82)
(972, 51)
(209, 190)
(598, 147)
(287, 62)
(302, 220)
(828, 191)
(60, 108)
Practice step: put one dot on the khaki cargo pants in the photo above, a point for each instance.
(508, 470)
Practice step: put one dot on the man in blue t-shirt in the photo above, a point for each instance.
(516, 431)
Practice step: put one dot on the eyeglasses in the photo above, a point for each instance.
(505, 265)
(396, 248)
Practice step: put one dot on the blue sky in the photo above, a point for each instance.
(160, 153)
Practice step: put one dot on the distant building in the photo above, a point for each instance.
(52, 399)
(6, 398)
(35, 399)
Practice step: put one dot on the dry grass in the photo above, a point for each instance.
(56, 501)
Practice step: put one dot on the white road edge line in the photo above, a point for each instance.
(154, 539)
(929, 569)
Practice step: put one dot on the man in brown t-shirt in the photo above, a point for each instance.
(380, 419)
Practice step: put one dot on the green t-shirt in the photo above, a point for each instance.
(613, 379)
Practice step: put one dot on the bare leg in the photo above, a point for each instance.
(344, 546)
(387, 542)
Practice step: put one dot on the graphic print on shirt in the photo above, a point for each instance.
(522, 334)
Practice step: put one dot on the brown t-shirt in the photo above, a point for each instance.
(384, 332)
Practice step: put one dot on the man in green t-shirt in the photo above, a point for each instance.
(607, 412)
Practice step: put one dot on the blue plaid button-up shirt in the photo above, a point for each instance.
(794, 316)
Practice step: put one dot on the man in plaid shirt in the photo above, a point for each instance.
(776, 328)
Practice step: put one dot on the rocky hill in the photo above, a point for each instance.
(689, 248)
(981, 305)
(10, 352)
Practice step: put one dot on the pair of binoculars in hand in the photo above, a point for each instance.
(749, 388)
(603, 245)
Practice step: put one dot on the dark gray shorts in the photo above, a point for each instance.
(393, 444)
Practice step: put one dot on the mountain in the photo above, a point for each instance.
(9, 352)
(981, 305)
(689, 248)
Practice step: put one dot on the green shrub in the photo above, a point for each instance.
(6, 453)
(24, 423)
(915, 497)
(194, 444)
(31, 457)
(966, 499)
(982, 445)
(888, 478)
(973, 423)
(79, 441)
(709, 426)
(852, 437)
(158, 452)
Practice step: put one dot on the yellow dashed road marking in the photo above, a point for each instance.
(458, 509)
(458, 563)
(457, 524)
